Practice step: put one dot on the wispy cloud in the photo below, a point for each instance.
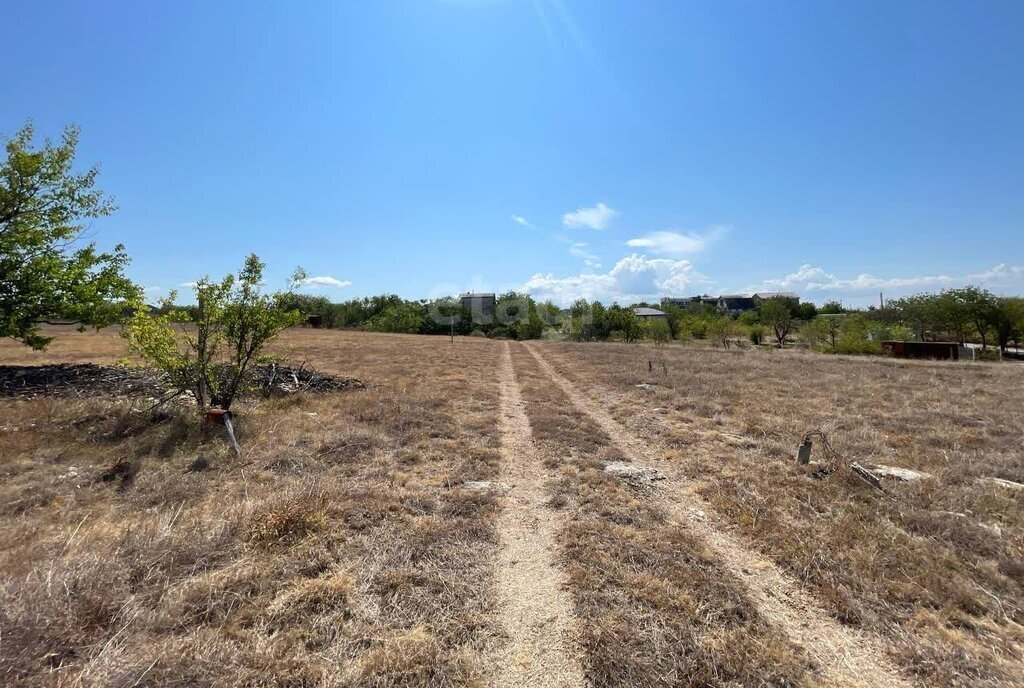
(579, 249)
(522, 221)
(324, 281)
(188, 285)
(999, 272)
(598, 217)
(673, 243)
(812, 278)
(633, 278)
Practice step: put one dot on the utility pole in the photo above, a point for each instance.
(881, 302)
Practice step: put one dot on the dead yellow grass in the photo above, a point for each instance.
(339, 550)
(934, 566)
(655, 609)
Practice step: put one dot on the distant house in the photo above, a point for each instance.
(736, 304)
(783, 295)
(480, 307)
(688, 301)
(645, 313)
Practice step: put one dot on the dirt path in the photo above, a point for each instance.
(535, 610)
(845, 656)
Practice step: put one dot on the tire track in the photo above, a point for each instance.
(844, 656)
(533, 606)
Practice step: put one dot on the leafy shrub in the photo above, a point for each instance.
(233, 322)
(658, 330)
(402, 317)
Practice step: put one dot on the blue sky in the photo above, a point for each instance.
(617, 150)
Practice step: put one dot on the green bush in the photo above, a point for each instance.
(233, 322)
(659, 332)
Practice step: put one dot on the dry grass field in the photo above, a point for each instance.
(934, 567)
(339, 550)
(454, 525)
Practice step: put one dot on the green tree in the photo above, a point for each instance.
(853, 336)
(402, 317)
(804, 310)
(777, 315)
(831, 308)
(951, 313)
(625, 320)
(658, 330)
(1008, 320)
(231, 324)
(823, 330)
(919, 312)
(44, 207)
(721, 330)
(749, 318)
(981, 308)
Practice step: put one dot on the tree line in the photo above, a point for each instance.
(516, 315)
(46, 272)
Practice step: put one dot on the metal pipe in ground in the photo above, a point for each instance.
(216, 416)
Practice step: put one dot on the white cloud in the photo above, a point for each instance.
(324, 281)
(522, 221)
(999, 272)
(676, 243)
(153, 290)
(598, 217)
(812, 278)
(633, 278)
(188, 285)
(578, 249)
(866, 281)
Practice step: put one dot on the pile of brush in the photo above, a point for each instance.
(89, 380)
(275, 379)
(78, 380)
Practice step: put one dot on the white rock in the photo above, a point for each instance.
(992, 528)
(1000, 482)
(661, 409)
(632, 472)
(485, 486)
(898, 473)
(646, 385)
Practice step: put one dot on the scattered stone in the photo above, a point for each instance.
(72, 473)
(632, 473)
(646, 385)
(485, 486)
(898, 473)
(1000, 482)
(661, 409)
(992, 528)
(698, 514)
(738, 441)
